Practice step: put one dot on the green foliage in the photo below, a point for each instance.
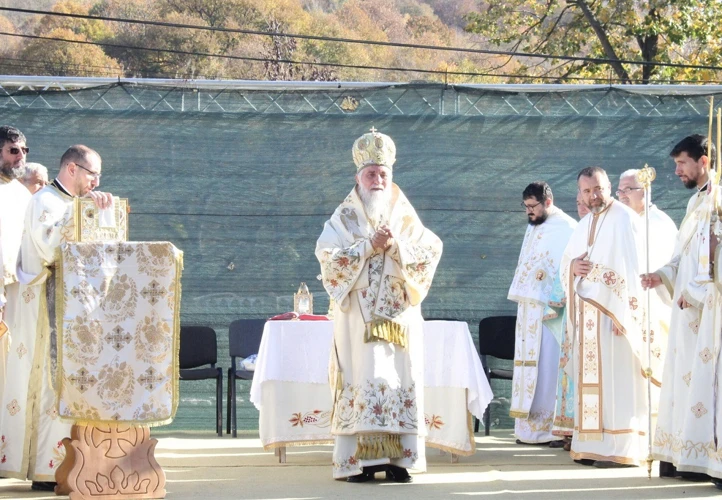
(677, 31)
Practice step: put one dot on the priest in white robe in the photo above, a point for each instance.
(32, 432)
(600, 270)
(13, 200)
(377, 263)
(688, 427)
(536, 350)
(662, 238)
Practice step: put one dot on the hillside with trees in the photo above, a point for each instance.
(234, 44)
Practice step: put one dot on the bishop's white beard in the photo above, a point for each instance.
(377, 205)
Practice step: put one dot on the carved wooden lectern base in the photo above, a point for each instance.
(112, 462)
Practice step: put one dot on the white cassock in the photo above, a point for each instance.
(31, 429)
(689, 427)
(536, 350)
(611, 417)
(14, 198)
(376, 368)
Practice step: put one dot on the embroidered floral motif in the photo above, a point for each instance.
(346, 465)
(699, 410)
(705, 355)
(433, 421)
(13, 407)
(687, 378)
(377, 405)
(315, 418)
(28, 295)
(694, 326)
(21, 350)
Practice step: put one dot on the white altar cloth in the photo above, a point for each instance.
(291, 391)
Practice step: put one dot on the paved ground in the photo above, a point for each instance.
(200, 466)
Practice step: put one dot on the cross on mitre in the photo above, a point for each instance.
(373, 130)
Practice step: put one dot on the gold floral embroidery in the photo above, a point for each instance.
(120, 297)
(28, 295)
(687, 378)
(115, 385)
(152, 339)
(21, 350)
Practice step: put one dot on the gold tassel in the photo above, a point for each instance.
(389, 331)
(375, 446)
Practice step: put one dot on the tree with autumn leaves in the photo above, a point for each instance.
(687, 32)
(675, 31)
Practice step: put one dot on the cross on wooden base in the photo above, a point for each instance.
(110, 462)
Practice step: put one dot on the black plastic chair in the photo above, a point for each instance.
(198, 348)
(497, 335)
(244, 339)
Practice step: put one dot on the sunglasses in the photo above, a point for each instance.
(16, 151)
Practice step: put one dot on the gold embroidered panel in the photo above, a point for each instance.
(92, 226)
(118, 318)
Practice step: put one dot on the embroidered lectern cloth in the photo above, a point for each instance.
(118, 307)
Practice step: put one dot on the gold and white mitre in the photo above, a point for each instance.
(374, 148)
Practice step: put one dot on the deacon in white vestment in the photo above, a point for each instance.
(32, 433)
(377, 263)
(13, 201)
(689, 427)
(600, 270)
(536, 350)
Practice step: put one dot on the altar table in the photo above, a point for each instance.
(291, 391)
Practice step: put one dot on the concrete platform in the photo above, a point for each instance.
(204, 466)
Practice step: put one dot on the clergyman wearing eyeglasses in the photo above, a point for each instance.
(536, 352)
(31, 425)
(13, 200)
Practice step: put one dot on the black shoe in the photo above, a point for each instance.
(667, 469)
(717, 483)
(559, 443)
(693, 476)
(584, 461)
(360, 478)
(367, 474)
(43, 486)
(398, 474)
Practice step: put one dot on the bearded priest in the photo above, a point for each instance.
(377, 262)
(605, 316)
(536, 350)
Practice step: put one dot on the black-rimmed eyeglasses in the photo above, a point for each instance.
(94, 175)
(529, 207)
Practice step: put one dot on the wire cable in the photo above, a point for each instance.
(363, 42)
(333, 65)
